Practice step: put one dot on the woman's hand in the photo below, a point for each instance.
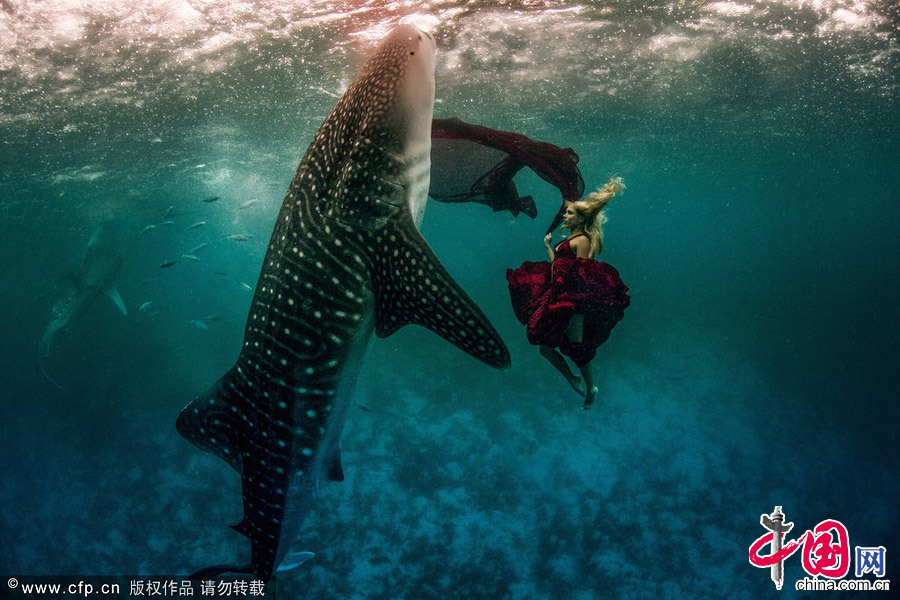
(547, 239)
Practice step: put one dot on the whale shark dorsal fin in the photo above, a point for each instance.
(113, 293)
(412, 286)
(209, 422)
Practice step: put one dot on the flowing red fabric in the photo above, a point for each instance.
(545, 297)
(472, 163)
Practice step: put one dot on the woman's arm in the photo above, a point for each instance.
(547, 239)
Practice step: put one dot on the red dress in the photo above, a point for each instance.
(545, 297)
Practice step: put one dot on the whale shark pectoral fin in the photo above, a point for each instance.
(209, 423)
(113, 293)
(292, 560)
(412, 286)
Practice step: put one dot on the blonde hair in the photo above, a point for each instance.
(591, 209)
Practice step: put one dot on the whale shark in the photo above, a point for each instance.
(102, 258)
(345, 261)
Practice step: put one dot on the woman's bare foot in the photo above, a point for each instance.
(575, 382)
(589, 398)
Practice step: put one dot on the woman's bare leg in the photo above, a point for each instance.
(590, 393)
(575, 328)
(556, 359)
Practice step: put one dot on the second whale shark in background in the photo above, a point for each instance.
(103, 257)
(345, 260)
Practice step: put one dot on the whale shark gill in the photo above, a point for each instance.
(345, 260)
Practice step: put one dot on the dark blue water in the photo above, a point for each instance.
(756, 366)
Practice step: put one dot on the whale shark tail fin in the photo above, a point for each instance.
(293, 560)
(216, 570)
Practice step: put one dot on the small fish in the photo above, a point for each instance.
(211, 198)
(145, 306)
(199, 324)
(248, 204)
(168, 264)
(198, 224)
(245, 286)
(198, 248)
(167, 223)
(191, 257)
(168, 212)
(240, 237)
(212, 318)
(148, 228)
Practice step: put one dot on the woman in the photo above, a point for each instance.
(570, 304)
